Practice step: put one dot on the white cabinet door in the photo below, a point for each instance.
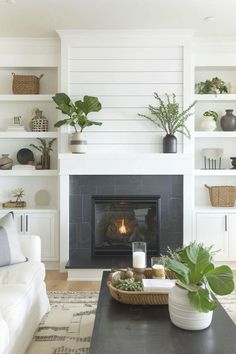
(232, 235)
(18, 219)
(43, 225)
(211, 229)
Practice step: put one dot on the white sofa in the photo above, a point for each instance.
(23, 298)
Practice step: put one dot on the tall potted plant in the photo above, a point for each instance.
(191, 301)
(168, 117)
(45, 148)
(77, 117)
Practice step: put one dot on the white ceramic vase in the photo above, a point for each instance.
(208, 124)
(78, 143)
(183, 314)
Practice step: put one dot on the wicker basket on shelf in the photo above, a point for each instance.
(222, 196)
(25, 84)
(140, 297)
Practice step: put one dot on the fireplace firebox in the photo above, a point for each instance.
(117, 221)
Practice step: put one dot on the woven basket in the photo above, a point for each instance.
(140, 297)
(25, 84)
(222, 196)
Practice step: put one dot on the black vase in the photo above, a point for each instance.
(169, 144)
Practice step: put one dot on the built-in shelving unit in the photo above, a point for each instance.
(40, 186)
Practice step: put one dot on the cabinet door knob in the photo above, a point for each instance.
(226, 223)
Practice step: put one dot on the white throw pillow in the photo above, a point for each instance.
(10, 249)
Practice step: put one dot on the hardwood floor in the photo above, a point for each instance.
(56, 281)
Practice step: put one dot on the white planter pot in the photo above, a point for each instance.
(208, 124)
(183, 314)
(78, 143)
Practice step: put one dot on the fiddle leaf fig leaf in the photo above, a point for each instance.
(202, 300)
(220, 280)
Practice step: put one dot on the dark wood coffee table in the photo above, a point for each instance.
(126, 329)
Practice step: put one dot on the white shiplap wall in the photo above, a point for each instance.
(124, 79)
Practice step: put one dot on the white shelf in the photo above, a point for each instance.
(25, 98)
(215, 172)
(219, 97)
(27, 135)
(212, 209)
(33, 173)
(31, 209)
(214, 134)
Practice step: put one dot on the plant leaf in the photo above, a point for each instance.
(180, 269)
(202, 300)
(198, 260)
(89, 104)
(220, 280)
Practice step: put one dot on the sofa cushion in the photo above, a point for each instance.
(22, 273)
(10, 249)
(4, 335)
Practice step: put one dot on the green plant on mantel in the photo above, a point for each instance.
(168, 116)
(195, 272)
(77, 111)
(213, 86)
(214, 115)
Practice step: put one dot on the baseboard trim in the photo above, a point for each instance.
(85, 274)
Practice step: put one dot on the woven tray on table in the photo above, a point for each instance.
(140, 297)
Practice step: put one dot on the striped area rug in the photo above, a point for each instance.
(67, 328)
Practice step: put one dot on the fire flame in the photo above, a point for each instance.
(122, 228)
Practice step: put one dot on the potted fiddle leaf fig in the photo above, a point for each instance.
(77, 113)
(169, 117)
(191, 300)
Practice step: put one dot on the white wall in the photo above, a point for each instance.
(123, 74)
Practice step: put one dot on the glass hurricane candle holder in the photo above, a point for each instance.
(158, 270)
(139, 252)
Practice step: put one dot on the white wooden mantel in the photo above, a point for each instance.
(120, 164)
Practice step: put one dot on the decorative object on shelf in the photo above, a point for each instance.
(233, 162)
(139, 255)
(5, 162)
(213, 86)
(18, 203)
(228, 121)
(212, 158)
(39, 123)
(25, 84)
(232, 87)
(77, 112)
(209, 121)
(25, 156)
(222, 196)
(168, 117)
(17, 124)
(198, 280)
(42, 198)
(45, 148)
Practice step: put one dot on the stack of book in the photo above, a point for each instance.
(23, 167)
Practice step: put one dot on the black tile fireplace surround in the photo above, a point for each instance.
(85, 188)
